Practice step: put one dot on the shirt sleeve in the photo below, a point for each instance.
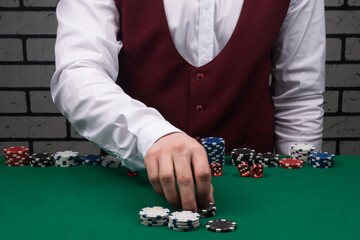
(83, 86)
(298, 76)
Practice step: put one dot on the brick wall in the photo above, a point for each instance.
(28, 116)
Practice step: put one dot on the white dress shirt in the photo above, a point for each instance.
(83, 86)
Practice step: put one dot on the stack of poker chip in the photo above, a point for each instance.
(215, 149)
(291, 163)
(41, 160)
(207, 211)
(302, 151)
(16, 156)
(322, 160)
(66, 158)
(221, 225)
(90, 159)
(184, 221)
(267, 159)
(110, 162)
(240, 155)
(154, 216)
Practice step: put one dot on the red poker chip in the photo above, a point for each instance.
(297, 167)
(16, 158)
(16, 150)
(291, 163)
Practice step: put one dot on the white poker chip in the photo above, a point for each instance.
(154, 212)
(184, 217)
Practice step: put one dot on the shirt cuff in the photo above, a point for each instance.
(149, 134)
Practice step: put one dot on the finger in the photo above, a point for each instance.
(152, 168)
(167, 180)
(202, 176)
(185, 181)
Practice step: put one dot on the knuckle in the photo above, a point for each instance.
(204, 174)
(153, 178)
(166, 176)
(184, 180)
(179, 146)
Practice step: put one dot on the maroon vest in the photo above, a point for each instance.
(228, 97)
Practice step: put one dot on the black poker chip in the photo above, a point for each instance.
(221, 225)
(209, 207)
(209, 210)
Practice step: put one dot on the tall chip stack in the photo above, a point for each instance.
(302, 151)
(241, 155)
(322, 160)
(215, 149)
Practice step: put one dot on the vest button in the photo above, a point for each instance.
(199, 76)
(199, 108)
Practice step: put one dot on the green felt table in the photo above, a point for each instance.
(93, 202)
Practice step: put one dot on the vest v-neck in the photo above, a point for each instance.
(223, 51)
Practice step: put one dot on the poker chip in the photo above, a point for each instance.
(215, 149)
(90, 159)
(221, 225)
(184, 221)
(151, 224)
(209, 210)
(322, 160)
(291, 163)
(240, 155)
(154, 212)
(16, 156)
(41, 160)
(154, 216)
(302, 151)
(66, 158)
(110, 162)
(267, 159)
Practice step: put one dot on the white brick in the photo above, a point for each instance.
(10, 144)
(347, 75)
(26, 75)
(351, 102)
(83, 147)
(354, 2)
(329, 146)
(334, 3)
(333, 49)
(11, 49)
(41, 102)
(349, 148)
(32, 127)
(9, 3)
(40, 3)
(352, 48)
(331, 101)
(341, 126)
(40, 49)
(12, 102)
(28, 22)
(342, 21)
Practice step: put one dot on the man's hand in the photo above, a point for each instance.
(179, 156)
